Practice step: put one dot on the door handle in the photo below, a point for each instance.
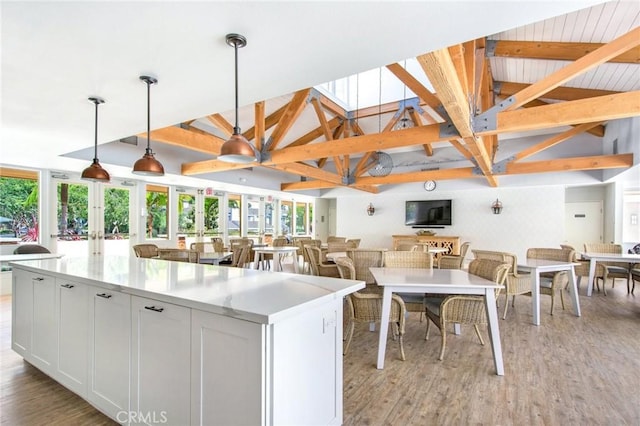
(104, 295)
(67, 285)
(100, 235)
(93, 235)
(154, 309)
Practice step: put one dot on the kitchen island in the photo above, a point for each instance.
(154, 341)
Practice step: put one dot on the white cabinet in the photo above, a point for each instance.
(227, 370)
(160, 361)
(22, 312)
(44, 341)
(109, 350)
(72, 318)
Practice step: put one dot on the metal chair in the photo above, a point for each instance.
(30, 249)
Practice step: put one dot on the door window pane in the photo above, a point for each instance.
(157, 211)
(116, 214)
(212, 217)
(73, 214)
(253, 219)
(286, 217)
(301, 218)
(234, 220)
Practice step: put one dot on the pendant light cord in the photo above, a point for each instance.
(95, 139)
(148, 116)
(236, 129)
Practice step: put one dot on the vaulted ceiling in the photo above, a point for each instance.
(480, 93)
(496, 89)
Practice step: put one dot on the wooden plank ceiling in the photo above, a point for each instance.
(468, 110)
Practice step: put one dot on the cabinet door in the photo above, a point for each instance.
(227, 370)
(109, 350)
(307, 348)
(160, 362)
(21, 311)
(44, 341)
(72, 316)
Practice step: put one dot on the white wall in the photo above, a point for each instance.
(532, 217)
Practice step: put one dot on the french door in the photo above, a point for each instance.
(90, 218)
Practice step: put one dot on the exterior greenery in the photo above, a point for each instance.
(19, 208)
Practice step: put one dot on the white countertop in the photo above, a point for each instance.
(256, 296)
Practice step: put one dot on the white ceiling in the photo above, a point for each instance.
(57, 54)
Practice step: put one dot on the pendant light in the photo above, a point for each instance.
(95, 172)
(148, 165)
(237, 149)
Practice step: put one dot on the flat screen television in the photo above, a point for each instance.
(426, 213)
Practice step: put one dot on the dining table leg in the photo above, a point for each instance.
(535, 296)
(256, 260)
(573, 289)
(592, 274)
(384, 326)
(494, 331)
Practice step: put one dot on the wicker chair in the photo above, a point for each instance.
(333, 239)
(179, 255)
(410, 259)
(318, 267)
(635, 275)
(218, 246)
(613, 269)
(582, 270)
(517, 283)
(363, 307)
(465, 309)
(306, 264)
(30, 249)
(241, 255)
(145, 250)
(450, 261)
(405, 246)
(363, 259)
(353, 242)
(553, 282)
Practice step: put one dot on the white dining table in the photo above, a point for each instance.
(278, 254)
(215, 257)
(537, 266)
(442, 281)
(605, 257)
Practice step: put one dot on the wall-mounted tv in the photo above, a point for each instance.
(426, 213)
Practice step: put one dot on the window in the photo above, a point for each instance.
(301, 218)
(212, 216)
(186, 214)
(18, 205)
(253, 219)
(157, 211)
(234, 226)
(286, 217)
(116, 213)
(630, 213)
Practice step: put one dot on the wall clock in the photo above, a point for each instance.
(430, 185)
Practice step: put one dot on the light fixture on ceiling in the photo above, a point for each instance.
(95, 172)
(237, 149)
(496, 207)
(371, 210)
(148, 165)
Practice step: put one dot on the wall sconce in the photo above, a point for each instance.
(496, 207)
(371, 210)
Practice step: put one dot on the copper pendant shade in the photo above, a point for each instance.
(95, 172)
(148, 165)
(237, 149)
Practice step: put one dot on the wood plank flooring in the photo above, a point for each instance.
(568, 371)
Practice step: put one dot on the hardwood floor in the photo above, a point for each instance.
(567, 371)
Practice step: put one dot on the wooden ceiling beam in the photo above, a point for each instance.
(315, 133)
(554, 140)
(183, 138)
(561, 93)
(291, 114)
(210, 166)
(597, 162)
(581, 65)
(603, 108)
(315, 184)
(221, 123)
(440, 70)
(414, 85)
(558, 51)
(308, 171)
(595, 131)
(259, 127)
(271, 120)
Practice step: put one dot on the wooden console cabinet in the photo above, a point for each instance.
(451, 243)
